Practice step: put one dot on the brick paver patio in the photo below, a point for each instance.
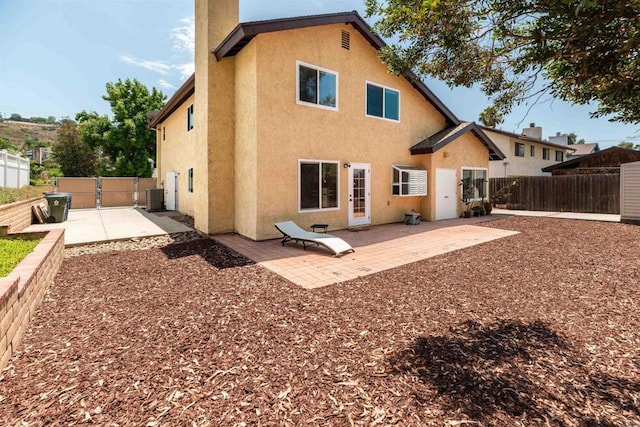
(377, 249)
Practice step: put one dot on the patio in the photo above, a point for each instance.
(377, 249)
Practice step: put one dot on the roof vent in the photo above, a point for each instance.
(346, 39)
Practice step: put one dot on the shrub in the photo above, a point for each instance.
(10, 195)
(12, 250)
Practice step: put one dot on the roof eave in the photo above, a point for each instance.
(182, 94)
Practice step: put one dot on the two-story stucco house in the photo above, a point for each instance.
(526, 154)
(298, 119)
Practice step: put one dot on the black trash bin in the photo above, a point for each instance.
(58, 206)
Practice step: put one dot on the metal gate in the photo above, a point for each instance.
(105, 192)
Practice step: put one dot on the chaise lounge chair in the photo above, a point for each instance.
(291, 232)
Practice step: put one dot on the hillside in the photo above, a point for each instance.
(22, 136)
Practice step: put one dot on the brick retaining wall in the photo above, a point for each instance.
(23, 289)
(17, 215)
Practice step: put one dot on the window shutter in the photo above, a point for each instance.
(417, 182)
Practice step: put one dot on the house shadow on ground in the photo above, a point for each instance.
(216, 254)
(512, 370)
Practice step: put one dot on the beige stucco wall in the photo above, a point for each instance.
(214, 117)
(246, 143)
(287, 131)
(177, 154)
(519, 166)
(465, 152)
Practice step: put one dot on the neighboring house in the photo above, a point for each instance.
(582, 150)
(526, 154)
(40, 154)
(297, 119)
(605, 161)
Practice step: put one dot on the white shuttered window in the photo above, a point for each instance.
(409, 181)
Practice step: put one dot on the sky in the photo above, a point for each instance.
(56, 57)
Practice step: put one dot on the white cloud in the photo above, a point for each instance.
(186, 69)
(183, 48)
(165, 84)
(157, 66)
(184, 36)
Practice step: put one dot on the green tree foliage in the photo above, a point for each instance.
(15, 116)
(74, 156)
(7, 144)
(581, 51)
(629, 145)
(126, 142)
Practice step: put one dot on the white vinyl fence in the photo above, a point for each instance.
(14, 170)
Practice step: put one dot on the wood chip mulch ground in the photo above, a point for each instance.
(541, 328)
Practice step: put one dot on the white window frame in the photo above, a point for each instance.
(190, 118)
(486, 182)
(321, 209)
(317, 68)
(415, 173)
(383, 87)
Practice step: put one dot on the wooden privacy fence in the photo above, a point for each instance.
(573, 193)
(105, 192)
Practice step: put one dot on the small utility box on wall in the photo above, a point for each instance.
(412, 218)
(630, 193)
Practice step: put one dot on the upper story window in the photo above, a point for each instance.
(317, 86)
(383, 102)
(546, 154)
(519, 152)
(190, 118)
(190, 180)
(533, 151)
(559, 156)
(164, 132)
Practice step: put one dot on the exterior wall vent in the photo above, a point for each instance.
(346, 39)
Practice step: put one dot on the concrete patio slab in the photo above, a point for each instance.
(377, 249)
(563, 215)
(86, 226)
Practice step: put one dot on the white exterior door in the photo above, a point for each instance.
(359, 194)
(446, 194)
(170, 187)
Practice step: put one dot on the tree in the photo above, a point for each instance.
(629, 145)
(73, 155)
(15, 117)
(126, 141)
(581, 51)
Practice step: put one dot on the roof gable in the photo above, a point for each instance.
(525, 138)
(450, 134)
(245, 32)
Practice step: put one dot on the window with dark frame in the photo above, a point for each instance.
(190, 180)
(164, 132)
(190, 118)
(533, 151)
(559, 156)
(519, 151)
(318, 183)
(546, 154)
